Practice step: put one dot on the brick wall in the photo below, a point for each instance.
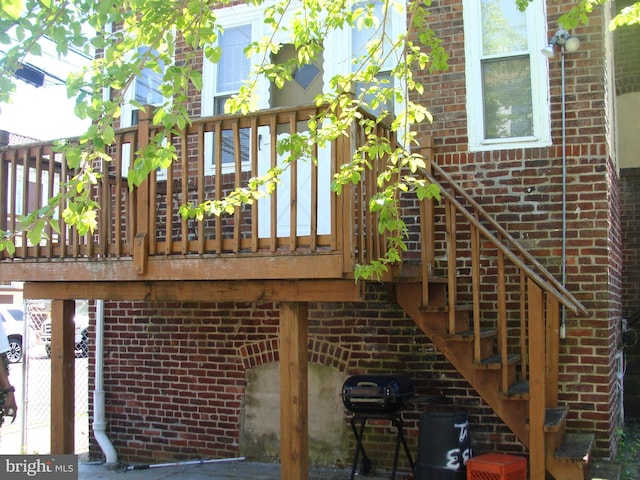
(523, 190)
(627, 40)
(630, 193)
(626, 51)
(174, 373)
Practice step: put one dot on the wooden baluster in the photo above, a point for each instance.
(502, 320)
(4, 190)
(451, 239)
(217, 155)
(184, 166)
(427, 224)
(25, 198)
(523, 325)
(552, 341)
(475, 281)
(201, 186)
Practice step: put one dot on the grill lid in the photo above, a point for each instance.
(376, 394)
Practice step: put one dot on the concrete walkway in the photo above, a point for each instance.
(226, 470)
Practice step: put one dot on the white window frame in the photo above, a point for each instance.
(126, 112)
(339, 52)
(235, 16)
(127, 107)
(537, 38)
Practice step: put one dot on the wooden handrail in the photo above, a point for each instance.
(144, 222)
(536, 271)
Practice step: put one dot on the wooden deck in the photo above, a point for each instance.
(303, 231)
(301, 245)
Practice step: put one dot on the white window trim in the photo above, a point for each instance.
(337, 60)
(126, 110)
(537, 37)
(228, 17)
(339, 52)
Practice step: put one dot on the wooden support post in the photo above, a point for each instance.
(143, 210)
(62, 377)
(537, 385)
(294, 425)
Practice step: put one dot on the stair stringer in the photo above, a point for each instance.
(513, 412)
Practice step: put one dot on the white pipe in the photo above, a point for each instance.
(99, 415)
(188, 462)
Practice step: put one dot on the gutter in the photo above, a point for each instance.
(99, 414)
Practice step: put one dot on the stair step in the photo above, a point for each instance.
(468, 335)
(554, 418)
(494, 362)
(575, 448)
(410, 272)
(517, 391)
(604, 471)
(445, 308)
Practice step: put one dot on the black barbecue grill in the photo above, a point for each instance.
(377, 396)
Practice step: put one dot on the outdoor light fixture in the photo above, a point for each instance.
(567, 42)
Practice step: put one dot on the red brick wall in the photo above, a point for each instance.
(630, 193)
(626, 54)
(627, 40)
(174, 372)
(523, 190)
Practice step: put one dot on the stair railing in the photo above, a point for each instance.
(540, 296)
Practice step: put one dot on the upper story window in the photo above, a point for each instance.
(222, 80)
(144, 90)
(506, 76)
(385, 29)
(233, 67)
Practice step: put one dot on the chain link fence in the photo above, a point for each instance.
(30, 374)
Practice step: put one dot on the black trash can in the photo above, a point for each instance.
(443, 446)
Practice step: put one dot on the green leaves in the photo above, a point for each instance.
(171, 38)
(11, 8)
(629, 15)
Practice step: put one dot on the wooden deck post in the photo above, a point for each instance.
(537, 395)
(62, 377)
(143, 202)
(294, 429)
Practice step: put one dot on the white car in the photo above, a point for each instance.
(81, 340)
(13, 323)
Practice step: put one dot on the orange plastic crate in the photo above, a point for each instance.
(496, 466)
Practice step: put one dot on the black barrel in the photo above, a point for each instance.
(443, 446)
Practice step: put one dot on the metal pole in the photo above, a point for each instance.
(563, 325)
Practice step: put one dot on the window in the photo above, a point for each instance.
(145, 90)
(33, 189)
(221, 81)
(359, 41)
(507, 85)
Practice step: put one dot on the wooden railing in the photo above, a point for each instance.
(510, 292)
(215, 155)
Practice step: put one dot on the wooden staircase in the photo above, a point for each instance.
(499, 326)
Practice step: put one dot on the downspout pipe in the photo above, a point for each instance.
(99, 413)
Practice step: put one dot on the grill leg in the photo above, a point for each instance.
(397, 422)
(366, 463)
